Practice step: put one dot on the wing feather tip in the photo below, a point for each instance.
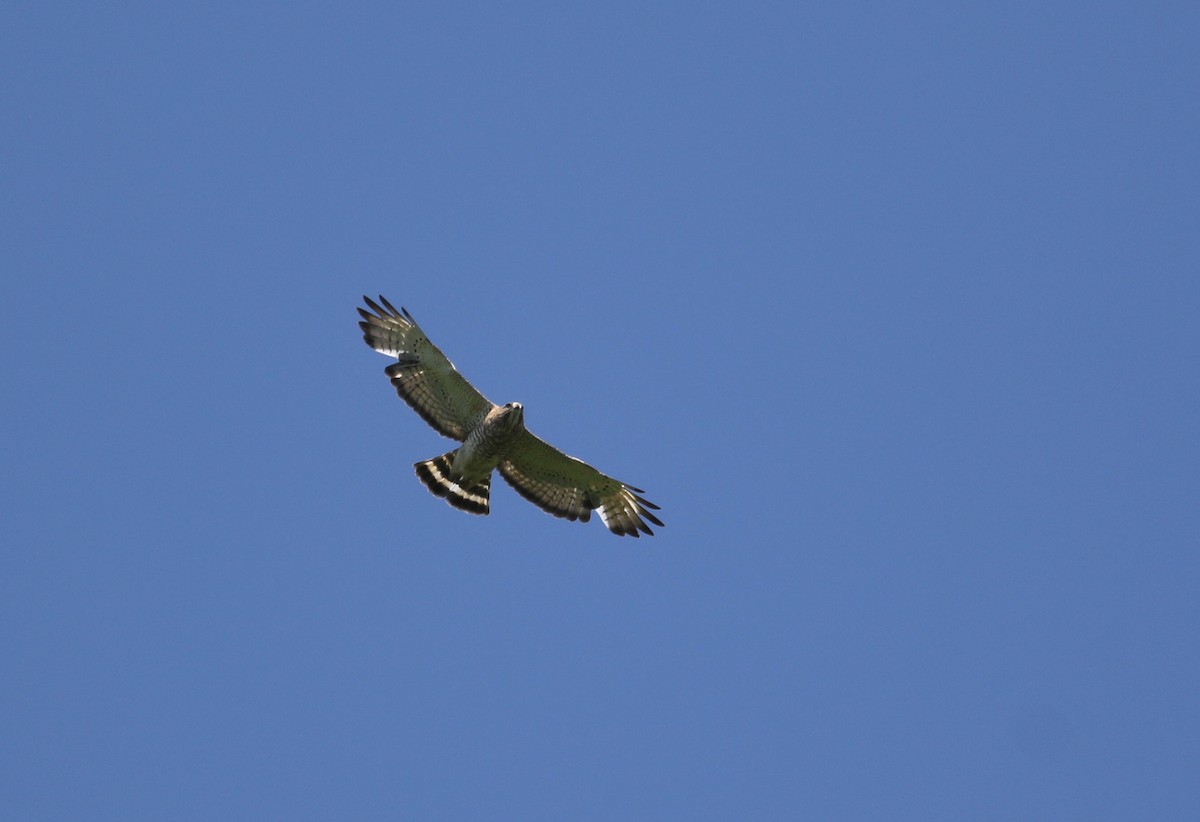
(652, 518)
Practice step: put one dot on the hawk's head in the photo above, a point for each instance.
(510, 417)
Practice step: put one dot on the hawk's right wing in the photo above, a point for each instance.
(567, 487)
(422, 375)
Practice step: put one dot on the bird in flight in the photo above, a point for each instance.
(492, 437)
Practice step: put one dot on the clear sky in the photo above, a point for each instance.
(891, 307)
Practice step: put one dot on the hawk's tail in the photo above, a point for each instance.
(435, 473)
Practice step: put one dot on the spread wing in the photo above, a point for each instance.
(422, 375)
(567, 487)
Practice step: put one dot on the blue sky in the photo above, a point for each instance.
(892, 308)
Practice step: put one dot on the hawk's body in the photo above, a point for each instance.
(492, 437)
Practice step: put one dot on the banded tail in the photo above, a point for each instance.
(435, 473)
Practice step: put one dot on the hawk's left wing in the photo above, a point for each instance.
(567, 487)
(422, 374)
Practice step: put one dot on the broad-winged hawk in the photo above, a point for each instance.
(492, 437)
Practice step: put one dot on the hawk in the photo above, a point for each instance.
(492, 437)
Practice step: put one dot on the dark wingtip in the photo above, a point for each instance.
(373, 305)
